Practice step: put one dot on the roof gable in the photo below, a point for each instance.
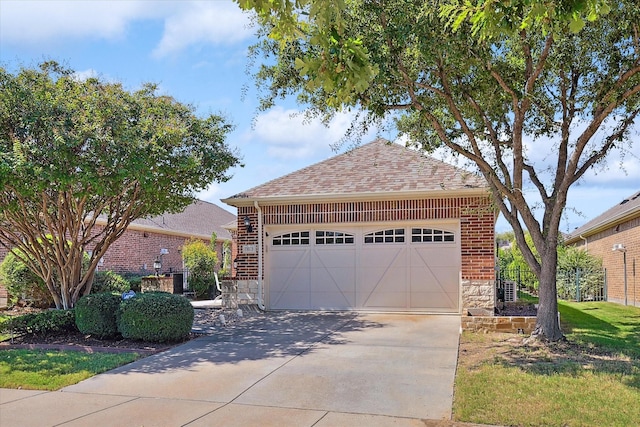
(379, 167)
(199, 219)
(627, 208)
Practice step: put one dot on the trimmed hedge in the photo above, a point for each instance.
(155, 317)
(109, 281)
(46, 322)
(96, 314)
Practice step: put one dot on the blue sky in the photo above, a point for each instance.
(196, 52)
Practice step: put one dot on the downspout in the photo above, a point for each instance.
(586, 242)
(260, 233)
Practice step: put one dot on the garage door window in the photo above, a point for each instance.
(292, 239)
(395, 235)
(333, 238)
(429, 235)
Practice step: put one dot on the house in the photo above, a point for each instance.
(162, 238)
(380, 227)
(614, 236)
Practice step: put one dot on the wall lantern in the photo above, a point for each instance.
(247, 224)
(157, 265)
(619, 247)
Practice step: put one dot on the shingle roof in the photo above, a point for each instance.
(379, 167)
(627, 208)
(199, 219)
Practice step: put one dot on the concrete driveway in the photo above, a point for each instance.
(280, 369)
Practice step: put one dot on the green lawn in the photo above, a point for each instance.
(51, 370)
(602, 325)
(593, 379)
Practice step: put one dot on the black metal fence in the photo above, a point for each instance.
(575, 284)
(582, 284)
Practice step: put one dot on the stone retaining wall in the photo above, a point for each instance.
(509, 324)
(159, 284)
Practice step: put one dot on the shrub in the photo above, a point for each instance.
(22, 284)
(46, 322)
(135, 282)
(200, 260)
(109, 281)
(96, 314)
(155, 317)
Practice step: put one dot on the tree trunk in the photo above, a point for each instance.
(547, 325)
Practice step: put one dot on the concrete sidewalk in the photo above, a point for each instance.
(281, 369)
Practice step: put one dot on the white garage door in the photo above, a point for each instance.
(402, 268)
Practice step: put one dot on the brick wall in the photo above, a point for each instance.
(135, 252)
(600, 244)
(477, 238)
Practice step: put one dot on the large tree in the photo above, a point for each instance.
(489, 80)
(83, 158)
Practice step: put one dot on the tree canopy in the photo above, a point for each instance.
(492, 81)
(81, 159)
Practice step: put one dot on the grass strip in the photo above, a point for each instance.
(52, 370)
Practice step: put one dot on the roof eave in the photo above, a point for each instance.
(137, 227)
(597, 228)
(343, 197)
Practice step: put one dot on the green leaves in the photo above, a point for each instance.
(93, 137)
(491, 18)
(73, 150)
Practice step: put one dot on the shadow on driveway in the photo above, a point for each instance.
(273, 334)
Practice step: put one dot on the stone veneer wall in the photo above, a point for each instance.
(478, 294)
(248, 291)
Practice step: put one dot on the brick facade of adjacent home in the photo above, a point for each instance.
(619, 225)
(136, 250)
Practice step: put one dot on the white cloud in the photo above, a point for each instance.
(289, 135)
(203, 22)
(38, 22)
(622, 167)
(35, 22)
(86, 74)
(210, 194)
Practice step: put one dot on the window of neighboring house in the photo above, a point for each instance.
(333, 238)
(291, 239)
(395, 235)
(431, 235)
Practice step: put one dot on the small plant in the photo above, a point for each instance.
(135, 282)
(201, 261)
(46, 322)
(109, 281)
(155, 317)
(96, 314)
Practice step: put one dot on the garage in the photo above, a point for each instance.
(380, 227)
(403, 267)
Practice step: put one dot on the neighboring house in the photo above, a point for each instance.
(614, 236)
(162, 237)
(381, 227)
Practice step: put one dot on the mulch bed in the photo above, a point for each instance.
(77, 341)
